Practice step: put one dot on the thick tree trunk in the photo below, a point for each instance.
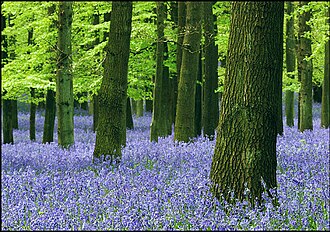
(211, 98)
(185, 110)
(325, 116)
(245, 151)
(111, 130)
(48, 133)
(305, 70)
(33, 109)
(129, 118)
(160, 123)
(290, 64)
(64, 82)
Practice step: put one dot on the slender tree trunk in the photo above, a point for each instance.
(181, 28)
(49, 124)
(160, 123)
(129, 118)
(64, 82)
(211, 98)
(185, 115)
(305, 70)
(95, 111)
(139, 108)
(290, 64)
(325, 117)
(33, 109)
(245, 149)
(15, 114)
(111, 131)
(7, 124)
(198, 99)
(50, 107)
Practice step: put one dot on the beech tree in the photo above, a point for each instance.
(325, 120)
(290, 63)
(64, 82)
(111, 136)
(185, 110)
(245, 152)
(305, 70)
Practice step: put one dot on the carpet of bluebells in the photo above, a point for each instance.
(157, 186)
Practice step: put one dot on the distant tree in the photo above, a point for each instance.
(245, 151)
(198, 99)
(185, 110)
(305, 70)
(64, 82)
(160, 123)
(325, 120)
(111, 130)
(290, 63)
(211, 98)
(129, 118)
(7, 126)
(33, 105)
(50, 108)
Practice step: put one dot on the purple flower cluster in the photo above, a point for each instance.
(157, 186)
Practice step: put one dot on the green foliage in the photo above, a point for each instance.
(34, 65)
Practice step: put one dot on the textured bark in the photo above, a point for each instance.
(129, 118)
(181, 28)
(185, 114)
(111, 130)
(290, 64)
(325, 117)
(64, 82)
(305, 71)
(48, 133)
(50, 107)
(245, 151)
(33, 109)
(160, 123)
(211, 98)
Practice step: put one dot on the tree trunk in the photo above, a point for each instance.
(181, 27)
(139, 108)
(64, 82)
(48, 133)
(111, 132)
(15, 114)
(149, 105)
(245, 151)
(305, 70)
(326, 82)
(290, 64)
(95, 111)
(50, 108)
(211, 98)
(129, 118)
(317, 93)
(7, 126)
(33, 109)
(185, 115)
(160, 123)
(198, 99)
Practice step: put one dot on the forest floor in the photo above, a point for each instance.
(157, 186)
